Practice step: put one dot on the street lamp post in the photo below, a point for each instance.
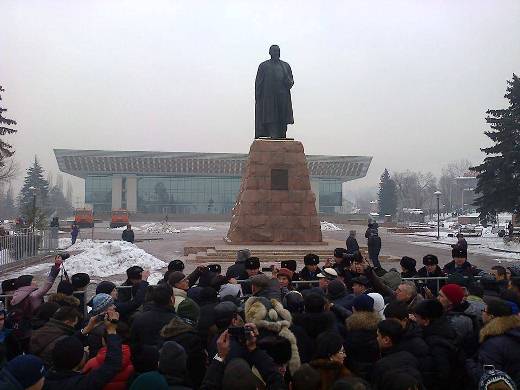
(438, 195)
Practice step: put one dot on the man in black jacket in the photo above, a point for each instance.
(69, 357)
(460, 263)
(431, 269)
(156, 314)
(442, 341)
(128, 234)
(136, 281)
(238, 269)
(393, 360)
(352, 244)
(373, 243)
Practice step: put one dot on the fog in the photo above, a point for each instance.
(407, 82)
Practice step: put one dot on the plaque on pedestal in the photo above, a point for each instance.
(275, 203)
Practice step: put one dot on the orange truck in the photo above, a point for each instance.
(84, 218)
(119, 218)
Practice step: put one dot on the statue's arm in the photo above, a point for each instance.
(290, 79)
(259, 81)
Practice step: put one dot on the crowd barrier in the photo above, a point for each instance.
(26, 243)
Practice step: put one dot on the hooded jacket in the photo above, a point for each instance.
(44, 339)
(500, 346)
(307, 326)
(330, 372)
(270, 315)
(95, 379)
(361, 342)
(118, 382)
(441, 338)
(186, 335)
(34, 294)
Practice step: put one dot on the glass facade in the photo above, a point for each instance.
(187, 195)
(330, 195)
(98, 192)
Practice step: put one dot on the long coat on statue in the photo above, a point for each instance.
(273, 84)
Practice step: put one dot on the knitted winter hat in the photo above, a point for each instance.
(363, 303)
(454, 293)
(285, 272)
(188, 311)
(67, 353)
(100, 303)
(379, 304)
(150, 380)
(492, 379)
(499, 308)
(336, 289)
(65, 287)
(26, 369)
(172, 359)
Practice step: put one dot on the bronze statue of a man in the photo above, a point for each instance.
(273, 106)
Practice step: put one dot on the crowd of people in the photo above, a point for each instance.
(340, 323)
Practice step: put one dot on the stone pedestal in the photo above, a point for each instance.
(275, 203)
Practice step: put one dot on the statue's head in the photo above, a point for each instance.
(274, 51)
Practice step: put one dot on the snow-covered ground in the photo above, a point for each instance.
(121, 228)
(481, 245)
(197, 229)
(329, 226)
(160, 228)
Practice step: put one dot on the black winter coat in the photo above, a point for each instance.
(392, 363)
(128, 235)
(236, 270)
(147, 325)
(413, 342)
(466, 269)
(306, 328)
(361, 343)
(500, 346)
(432, 284)
(186, 335)
(352, 245)
(446, 372)
(95, 379)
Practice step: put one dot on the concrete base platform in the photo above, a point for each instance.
(218, 252)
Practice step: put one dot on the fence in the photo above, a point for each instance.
(27, 243)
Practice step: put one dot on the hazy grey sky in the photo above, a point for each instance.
(407, 82)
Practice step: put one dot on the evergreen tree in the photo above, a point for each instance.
(9, 209)
(40, 187)
(58, 205)
(499, 175)
(387, 195)
(7, 166)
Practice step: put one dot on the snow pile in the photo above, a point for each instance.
(511, 246)
(160, 228)
(329, 226)
(198, 229)
(111, 258)
(121, 228)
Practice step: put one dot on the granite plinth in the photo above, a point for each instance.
(275, 203)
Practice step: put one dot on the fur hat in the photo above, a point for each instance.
(311, 259)
(176, 265)
(289, 264)
(430, 260)
(65, 287)
(270, 315)
(80, 280)
(458, 252)
(252, 263)
(23, 281)
(408, 263)
(105, 287)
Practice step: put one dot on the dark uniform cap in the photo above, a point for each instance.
(176, 265)
(363, 280)
(289, 264)
(80, 280)
(23, 280)
(459, 252)
(252, 263)
(8, 285)
(311, 259)
(339, 252)
(216, 268)
(430, 260)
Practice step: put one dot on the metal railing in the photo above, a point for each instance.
(26, 243)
